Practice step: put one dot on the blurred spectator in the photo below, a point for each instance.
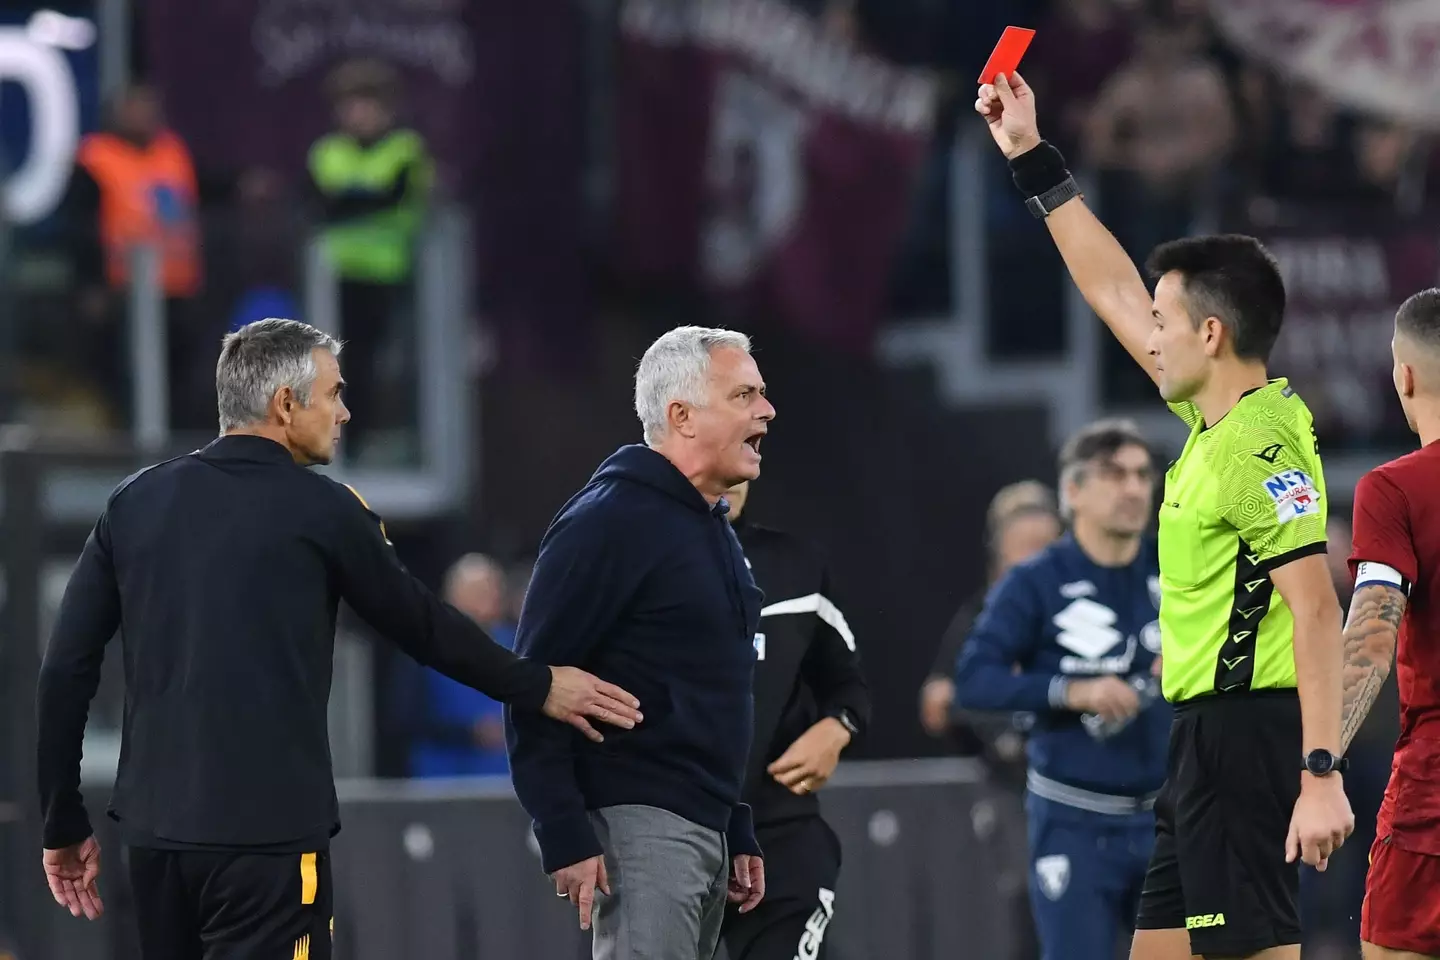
(1158, 133)
(457, 731)
(266, 251)
(1076, 49)
(134, 185)
(1022, 520)
(1391, 165)
(373, 179)
(1308, 153)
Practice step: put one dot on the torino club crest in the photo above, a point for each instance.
(1052, 873)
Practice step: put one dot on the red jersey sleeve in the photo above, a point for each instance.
(1382, 527)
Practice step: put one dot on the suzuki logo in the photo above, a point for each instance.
(1088, 629)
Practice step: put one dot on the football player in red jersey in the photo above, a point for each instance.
(1397, 548)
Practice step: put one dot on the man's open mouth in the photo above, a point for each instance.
(753, 442)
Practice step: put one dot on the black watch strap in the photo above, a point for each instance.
(1321, 763)
(846, 721)
(1042, 206)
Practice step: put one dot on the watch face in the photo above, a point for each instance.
(1320, 762)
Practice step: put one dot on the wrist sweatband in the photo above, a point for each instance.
(1039, 170)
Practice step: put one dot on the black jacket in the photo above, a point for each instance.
(641, 582)
(806, 668)
(222, 571)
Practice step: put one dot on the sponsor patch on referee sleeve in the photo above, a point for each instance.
(1293, 493)
(1369, 573)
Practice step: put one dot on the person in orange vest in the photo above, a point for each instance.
(135, 185)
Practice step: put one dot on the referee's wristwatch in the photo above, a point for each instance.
(1321, 763)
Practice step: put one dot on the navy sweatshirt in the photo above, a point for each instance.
(642, 582)
(1060, 617)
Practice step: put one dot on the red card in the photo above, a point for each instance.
(1007, 53)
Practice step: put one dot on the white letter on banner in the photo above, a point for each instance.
(35, 190)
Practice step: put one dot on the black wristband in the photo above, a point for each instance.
(1039, 170)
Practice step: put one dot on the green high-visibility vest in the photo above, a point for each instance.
(378, 248)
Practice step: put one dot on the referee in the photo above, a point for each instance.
(810, 701)
(1250, 626)
(222, 571)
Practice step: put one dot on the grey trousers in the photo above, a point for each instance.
(668, 879)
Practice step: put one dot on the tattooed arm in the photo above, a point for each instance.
(1370, 636)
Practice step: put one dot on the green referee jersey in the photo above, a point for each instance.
(1246, 495)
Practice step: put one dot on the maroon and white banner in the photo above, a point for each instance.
(1343, 287)
(766, 159)
(1374, 56)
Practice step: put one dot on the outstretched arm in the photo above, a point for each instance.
(1100, 267)
(1383, 561)
(1370, 637)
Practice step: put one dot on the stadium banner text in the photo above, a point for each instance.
(765, 159)
(1343, 286)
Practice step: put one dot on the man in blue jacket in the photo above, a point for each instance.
(1071, 635)
(640, 577)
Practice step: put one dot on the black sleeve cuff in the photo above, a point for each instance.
(530, 681)
(1275, 563)
(65, 828)
(565, 841)
(1039, 170)
(740, 835)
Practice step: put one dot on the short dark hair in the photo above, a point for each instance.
(1419, 317)
(1232, 278)
(1103, 438)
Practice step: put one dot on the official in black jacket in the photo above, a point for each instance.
(222, 571)
(810, 701)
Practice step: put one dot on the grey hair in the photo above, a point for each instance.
(675, 368)
(473, 565)
(259, 359)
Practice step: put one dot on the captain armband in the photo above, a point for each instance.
(1369, 574)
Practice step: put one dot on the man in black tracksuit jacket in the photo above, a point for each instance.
(222, 572)
(810, 701)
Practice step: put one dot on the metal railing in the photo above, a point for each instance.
(445, 401)
(1069, 386)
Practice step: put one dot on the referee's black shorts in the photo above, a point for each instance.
(802, 864)
(1221, 821)
(217, 905)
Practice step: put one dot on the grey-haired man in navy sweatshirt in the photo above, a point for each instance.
(641, 581)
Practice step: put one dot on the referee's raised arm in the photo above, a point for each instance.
(1099, 265)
